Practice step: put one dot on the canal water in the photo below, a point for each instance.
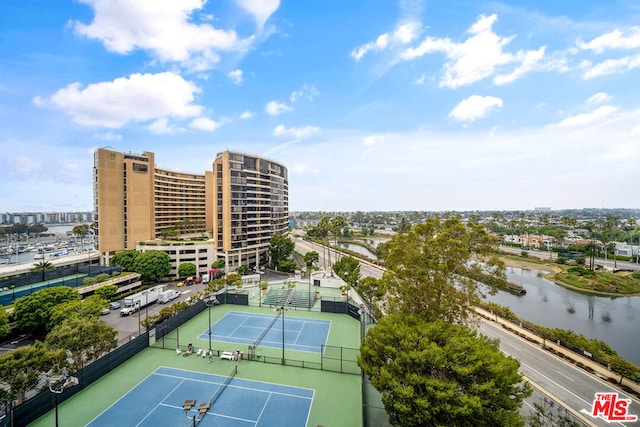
(614, 320)
(359, 249)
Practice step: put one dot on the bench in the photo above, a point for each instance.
(229, 355)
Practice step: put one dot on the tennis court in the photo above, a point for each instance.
(300, 334)
(235, 402)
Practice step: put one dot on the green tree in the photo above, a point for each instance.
(153, 265)
(32, 312)
(21, 369)
(106, 292)
(126, 260)
(4, 323)
(83, 338)
(186, 269)
(218, 264)
(311, 257)
(42, 266)
(280, 250)
(81, 231)
(88, 308)
(371, 289)
(441, 374)
(348, 269)
(242, 269)
(624, 368)
(168, 233)
(431, 268)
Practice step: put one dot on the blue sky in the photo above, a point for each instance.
(371, 104)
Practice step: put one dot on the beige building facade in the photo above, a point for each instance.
(240, 204)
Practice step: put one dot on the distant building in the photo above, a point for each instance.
(240, 204)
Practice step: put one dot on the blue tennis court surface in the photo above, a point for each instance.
(157, 401)
(299, 333)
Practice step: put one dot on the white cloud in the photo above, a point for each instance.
(246, 115)
(598, 98)
(274, 108)
(381, 43)
(161, 27)
(109, 136)
(140, 97)
(206, 124)
(305, 169)
(475, 107)
(261, 10)
(587, 118)
(478, 57)
(24, 164)
(616, 39)
(403, 35)
(162, 127)
(612, 66)
(372, 140)
(235, 76)
(307, 92)
(298, 133)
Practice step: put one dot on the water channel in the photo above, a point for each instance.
(359, 249)
(614, 320)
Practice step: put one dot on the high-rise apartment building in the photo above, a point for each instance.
(251, 205)
(240, 204)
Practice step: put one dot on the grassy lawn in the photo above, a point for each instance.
(609, 283)
(604, 283)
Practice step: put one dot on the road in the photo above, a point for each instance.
(129, 326)
(545, 255)
(562, 381)
(304, 246)
(573, 386)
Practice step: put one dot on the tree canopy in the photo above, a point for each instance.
(153, 265)
(126, 259)
(4, 323)
(83, 338)
(22, 368)
(348, 268)
(280, 250)
(371, 290)
(431, 267)
(32, 312)
(440, 374)
(106, 292)
(186, 269)
(88, 308)
(311, 257)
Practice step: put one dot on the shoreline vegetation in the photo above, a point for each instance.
(617, 284)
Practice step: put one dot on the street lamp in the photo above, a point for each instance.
(58, 384)
(282, 307)
(210, 300)
(202, 410)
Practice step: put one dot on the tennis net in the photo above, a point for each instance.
(224, 385)
(266, 330)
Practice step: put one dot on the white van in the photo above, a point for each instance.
(168, 295)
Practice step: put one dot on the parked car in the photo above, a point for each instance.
(104, 311)
(180, 284)
(114, 305)
(198, 280)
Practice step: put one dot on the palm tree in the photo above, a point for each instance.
(42, 266)
(81, 230)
